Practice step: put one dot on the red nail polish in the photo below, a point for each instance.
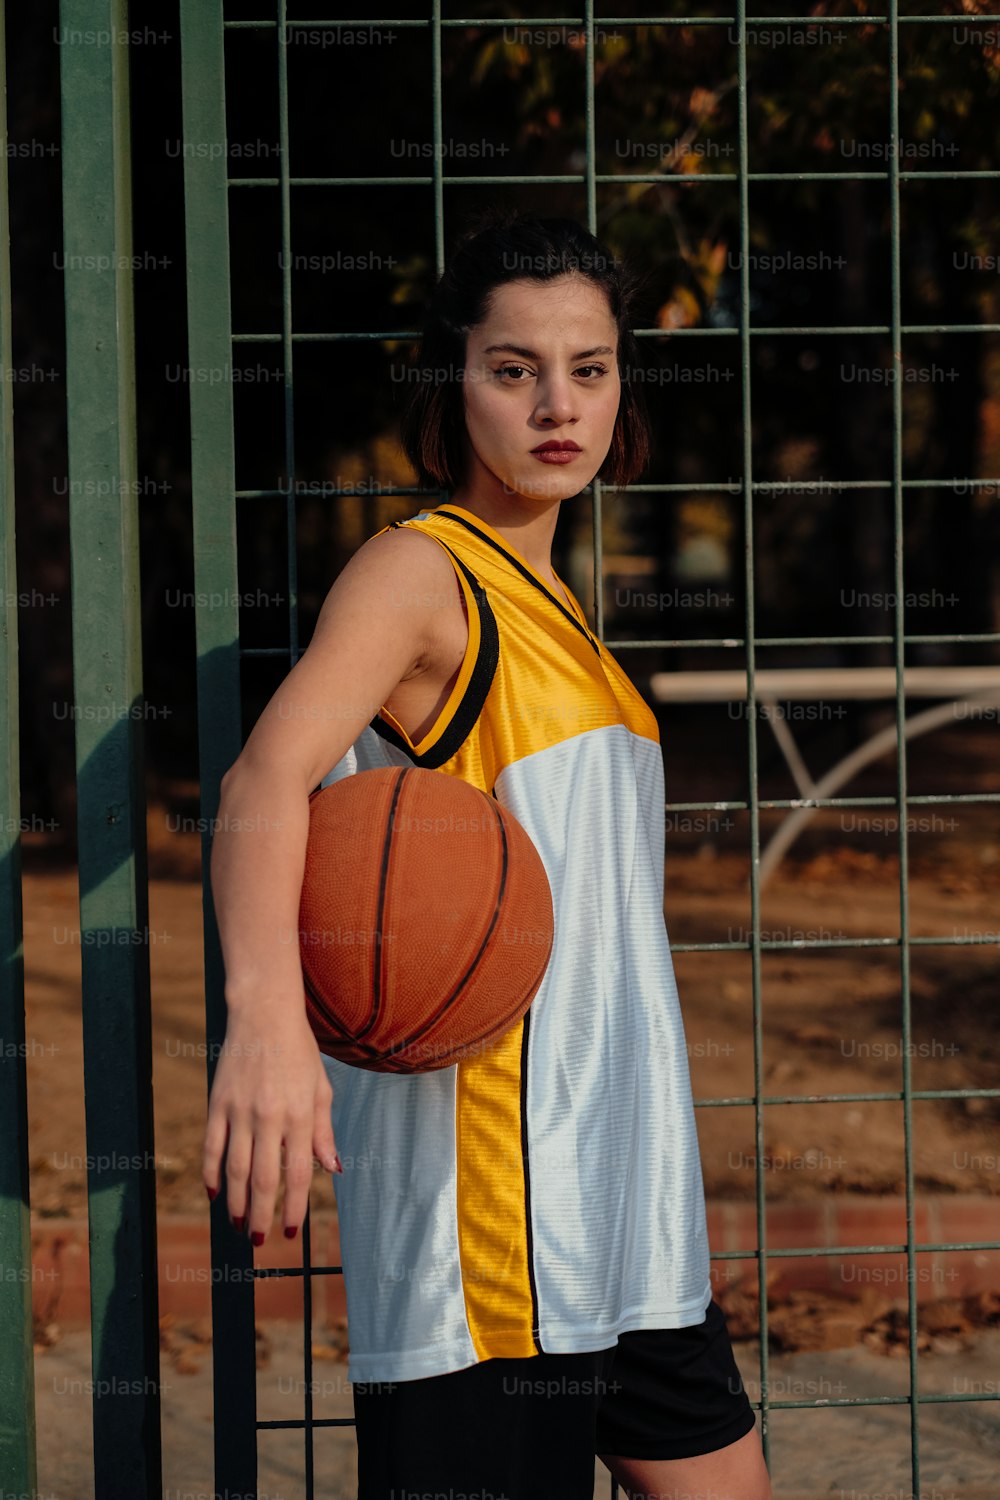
(213, 1193)
(239, 1224)
(291, 1230)
(338, 1164)
(257, 1237)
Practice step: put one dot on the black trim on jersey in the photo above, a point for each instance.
(460, 725)
(535, 1330)
(443, 510)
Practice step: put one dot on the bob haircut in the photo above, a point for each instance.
(502, 245)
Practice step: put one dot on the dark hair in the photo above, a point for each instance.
(498, 246)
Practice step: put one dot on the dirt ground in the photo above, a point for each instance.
(830, 1024)
(859, 1452)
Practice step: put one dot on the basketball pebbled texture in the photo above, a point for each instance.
(425, 919)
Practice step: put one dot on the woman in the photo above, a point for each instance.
(523, 1234)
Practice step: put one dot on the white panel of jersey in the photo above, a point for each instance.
(546, 1196)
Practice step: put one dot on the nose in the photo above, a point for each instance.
(556, 403)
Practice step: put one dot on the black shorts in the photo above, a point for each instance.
(514, 1429)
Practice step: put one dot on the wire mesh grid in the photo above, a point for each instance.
(203, 31)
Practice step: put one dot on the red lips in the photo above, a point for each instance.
(568, 446)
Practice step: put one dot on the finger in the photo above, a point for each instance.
(213, 1149)
(265, 1177)
(323, 1144)
(298, 1175)
(239, 1158)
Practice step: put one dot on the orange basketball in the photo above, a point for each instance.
(425, 922)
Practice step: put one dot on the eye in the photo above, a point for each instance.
(598, 372)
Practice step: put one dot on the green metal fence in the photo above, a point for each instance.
(203, 28)
(105, 574)
(17, 1390)
(107, 687)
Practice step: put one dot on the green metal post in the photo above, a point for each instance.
(17, 1382)
(213, 486)
(109, 710)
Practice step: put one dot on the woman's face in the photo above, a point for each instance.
(542, 367)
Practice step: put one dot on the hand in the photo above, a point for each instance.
(270, 1092)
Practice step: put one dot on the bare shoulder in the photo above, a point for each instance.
(392, 616)
(405, 554)
(409, 578)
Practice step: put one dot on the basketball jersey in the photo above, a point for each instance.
(545, 1195)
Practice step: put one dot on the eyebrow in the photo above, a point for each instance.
(530, 354)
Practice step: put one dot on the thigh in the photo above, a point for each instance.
(674, 1393)
(735, 1472)
(521, 1428)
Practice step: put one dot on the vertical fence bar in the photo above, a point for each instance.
(590, 170)
(590, 183)
(899, 656)
(213, 501)
(18, 1473)
(287, 352)
(292, 573)
(109, 709)
(753, 790)
(591, 187)
(437, 168)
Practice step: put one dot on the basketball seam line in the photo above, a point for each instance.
(377, 946)
(497, 906)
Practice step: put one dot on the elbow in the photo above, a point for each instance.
(260, 777)
(230, 776)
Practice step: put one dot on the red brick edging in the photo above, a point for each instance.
(61, 1275)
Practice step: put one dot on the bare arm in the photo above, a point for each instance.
(270, 1090)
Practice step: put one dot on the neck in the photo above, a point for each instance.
(529, 525)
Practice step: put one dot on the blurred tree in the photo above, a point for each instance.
(514, 102)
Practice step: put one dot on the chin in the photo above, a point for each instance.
(545, 486)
